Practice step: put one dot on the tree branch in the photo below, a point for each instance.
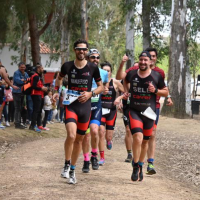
(48, 19)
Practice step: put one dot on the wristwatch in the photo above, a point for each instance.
(156, 90)
(93, 94)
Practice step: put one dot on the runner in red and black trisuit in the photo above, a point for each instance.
(80, 74)
(109, 112)
(145, 84)
(152, 142)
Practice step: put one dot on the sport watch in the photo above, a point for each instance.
(93, 94)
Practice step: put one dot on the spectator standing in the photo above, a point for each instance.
(11, 108)
(47, 107)
(1, 101)
(37, 95)
(19, 79)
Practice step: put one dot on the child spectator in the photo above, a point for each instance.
(47, 107)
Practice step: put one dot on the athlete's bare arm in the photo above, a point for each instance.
(161, 92)
(126, 89)
(169, 102)
(5, 77)
(120, 74)
(120, 87)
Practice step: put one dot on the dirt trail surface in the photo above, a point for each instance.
(31, 169)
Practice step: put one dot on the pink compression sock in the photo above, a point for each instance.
(86, 157)
(94, 152)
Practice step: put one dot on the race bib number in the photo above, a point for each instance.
(105, 111)
(70, 96)
(95, 99)
(149, 113)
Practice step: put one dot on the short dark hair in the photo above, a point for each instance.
(38, 65)
(80, 41)
(21, 63)
(149, 49)
(106, 63)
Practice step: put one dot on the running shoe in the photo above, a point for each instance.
(45, 128)
(72, 177)
(24, 125)
(1, 126)
(135, 174)
(36, 129)
(65, 171)
(109, 145)
(129, 158)
(7, 124)
(86, 166)
(102, 162)
(140, 173)
(41, 128)
(150, 169)
(95, 164)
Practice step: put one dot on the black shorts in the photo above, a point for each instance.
(140, 123)
(109, 119)
(79, 114)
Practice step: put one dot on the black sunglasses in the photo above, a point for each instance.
(81, 49)
(93, 57)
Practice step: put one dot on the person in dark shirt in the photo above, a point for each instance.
(77, 114)
(145, 85)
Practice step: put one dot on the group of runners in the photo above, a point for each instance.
(94, 113)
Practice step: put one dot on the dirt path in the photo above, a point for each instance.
(32, 171)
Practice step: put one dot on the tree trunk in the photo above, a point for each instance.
(24, 42)
(34, 36)
(146, 20)
(84, 20)
(34, 32)
(130, 35)
(65, 37)
(178, 75)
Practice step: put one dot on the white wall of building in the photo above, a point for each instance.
(45, 60)
(6, 55)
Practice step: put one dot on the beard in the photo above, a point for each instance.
(80, 57)
(143, 69)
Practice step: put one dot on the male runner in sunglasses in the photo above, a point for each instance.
(77, 114)
(95, 120)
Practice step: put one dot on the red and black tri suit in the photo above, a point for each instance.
(141, 99)
(107, 101)
(79, 80)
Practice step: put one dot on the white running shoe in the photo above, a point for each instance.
(72, 177)
(7, 124)
(65, 171)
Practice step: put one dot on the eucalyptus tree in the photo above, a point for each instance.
(84, 19)
(130, 31)
(178, 75)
